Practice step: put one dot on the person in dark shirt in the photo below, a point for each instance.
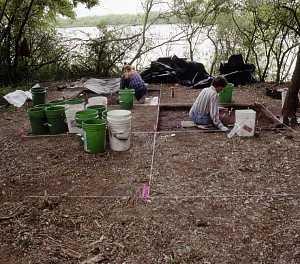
(131, 79)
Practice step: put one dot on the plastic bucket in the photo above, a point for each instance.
(84, 115)
(38, 120)
(73, 106)
(97, 100)
(126, 97)
(94, 135)
(74, 101)
(225, 96)
(56, 119)
(104, 115)
(42, 105)
(39, 96)
(245, 120)
(119, 125)
(57, 102)
(99, 108)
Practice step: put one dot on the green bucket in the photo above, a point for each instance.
(104, 115)
(126, 97)
(57, 102)
(88, 114)
(42, 105)
(94, 135)
(225, 96)
(39, 96)
(38, 121)
(56, 119)
(99, 108)
(74, 101)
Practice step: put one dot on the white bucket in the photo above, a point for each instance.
(71, 110)
(119, 125)
(245, 120)
(97, 100)
(283, 96)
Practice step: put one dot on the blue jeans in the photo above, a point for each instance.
(201, 119)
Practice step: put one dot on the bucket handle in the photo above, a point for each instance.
(121, 136)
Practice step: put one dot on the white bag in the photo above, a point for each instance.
(18, 97)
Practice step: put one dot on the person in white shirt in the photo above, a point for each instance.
(205, 109)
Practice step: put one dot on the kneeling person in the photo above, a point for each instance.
(132, 79)
(205, 109)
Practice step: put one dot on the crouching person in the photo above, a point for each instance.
(205, 109)
(131, 79)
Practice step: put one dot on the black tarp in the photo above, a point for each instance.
(194, 75)
(175, 70)
(238, 72)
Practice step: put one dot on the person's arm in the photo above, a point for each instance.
(123, 83)
(214, 113)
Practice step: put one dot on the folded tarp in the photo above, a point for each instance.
(103, 86)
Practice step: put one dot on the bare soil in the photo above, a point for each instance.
(212, 200)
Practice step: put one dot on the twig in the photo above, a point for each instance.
(3, 218)
(94, 260)
(66, 250)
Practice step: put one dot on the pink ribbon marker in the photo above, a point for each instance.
(145, 192)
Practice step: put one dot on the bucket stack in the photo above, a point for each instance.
(91, 123)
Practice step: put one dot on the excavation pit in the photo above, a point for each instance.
(171, 116)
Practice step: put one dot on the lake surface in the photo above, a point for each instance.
(158, 34)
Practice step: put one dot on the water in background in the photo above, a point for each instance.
(158, 34)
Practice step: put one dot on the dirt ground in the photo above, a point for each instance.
(212, 199)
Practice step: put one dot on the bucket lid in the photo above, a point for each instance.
(118, 113)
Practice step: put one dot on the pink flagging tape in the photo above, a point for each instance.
(146, 192)
(247, 128)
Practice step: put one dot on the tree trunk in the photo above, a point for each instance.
(21, 32)
(292, 99)
(190, 41)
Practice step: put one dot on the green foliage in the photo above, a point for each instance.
(104, 56)
(252, 29)
(21, 23)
